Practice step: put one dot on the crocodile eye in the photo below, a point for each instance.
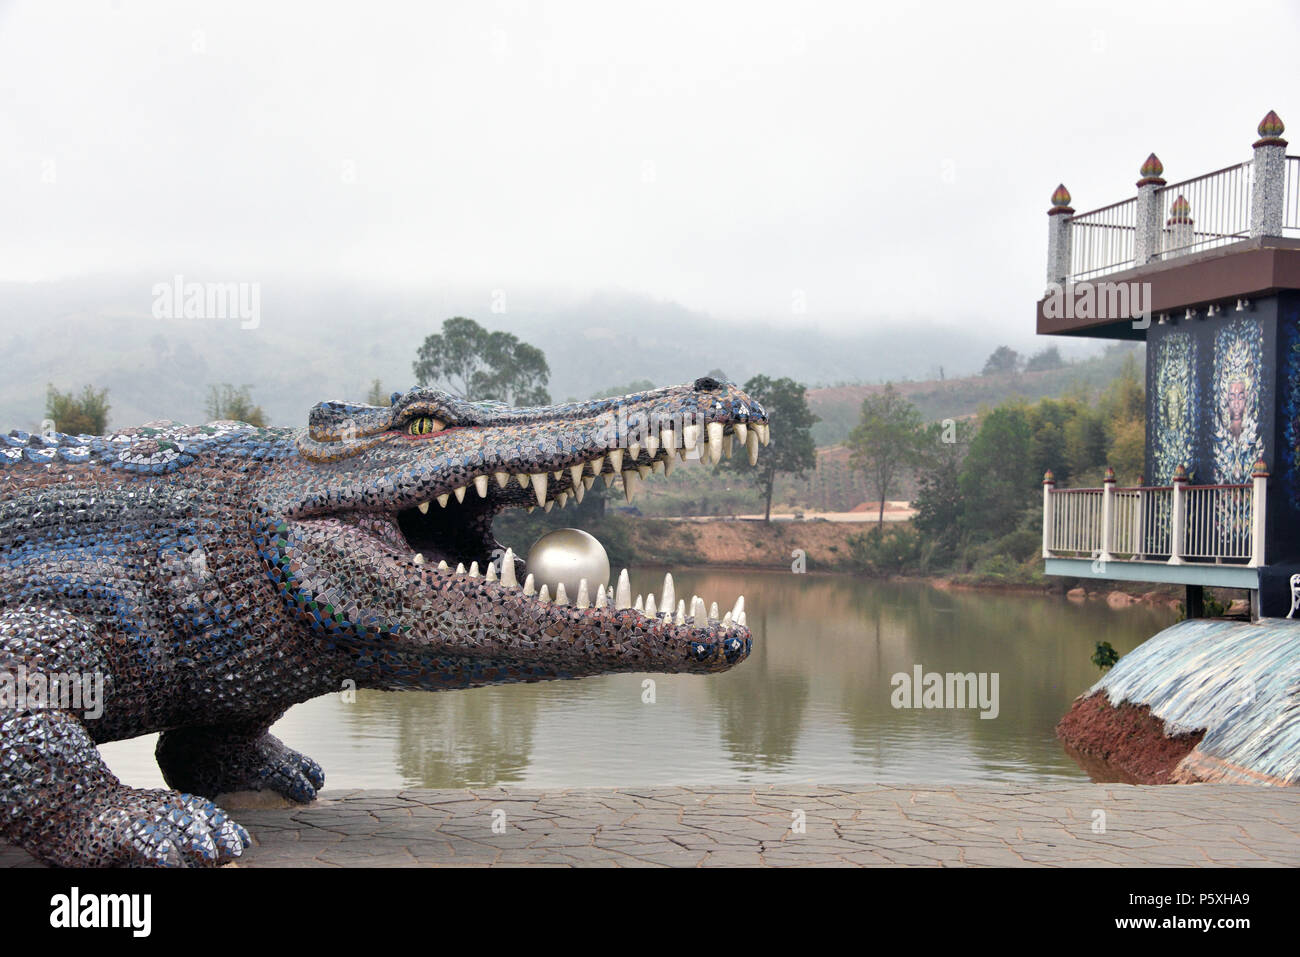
(424, 425)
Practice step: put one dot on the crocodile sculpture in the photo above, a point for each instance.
(209, 577)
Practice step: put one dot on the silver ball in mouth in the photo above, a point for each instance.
(567, 556)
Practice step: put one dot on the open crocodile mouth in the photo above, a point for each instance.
(450, 533)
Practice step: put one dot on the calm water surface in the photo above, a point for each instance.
(812, 703)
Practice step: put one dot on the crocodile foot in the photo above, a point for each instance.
(217, 760)
(129, 827)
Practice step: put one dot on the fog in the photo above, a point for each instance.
(829, 163)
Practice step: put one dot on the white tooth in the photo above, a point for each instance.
(667, 440)
(657, 465)
(424, 508)
(680, 617)
(602, 599)
(587, 482)
(699, 618)
(563, 499)
(726, 621)
(690, 435)
(556, 474)
(442, 499)
(650, 610)
(609, 478)
(715, 442)
(460, 568)
(713, 611)
(531, 508)
(681, 454)
(530, 587)
(643, 470)
(738, 608)
(610, 589)
(728, 445)
(584, 600)
(548, 506)
(575, 474)
(616, 460)
(597, 464)
(419, 558)
(579, 489)
(508, 570)
(560, 597)
(670, 596)
(491, 572)
(631, 484)
(638, 605)
(751, 446)
(634, 451)
(764, 433)
(460, 494)
(503, 478)
(740, 430)
(623, 594)
(473, 569)
(652, 445)
(522, 478)
(742, 621)
(480, 485)
(442, 566)
(544, 595)
(669, 464)
(539, 486)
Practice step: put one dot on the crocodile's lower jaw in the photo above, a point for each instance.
(450, 535)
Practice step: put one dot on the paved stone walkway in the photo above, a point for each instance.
(856, 825)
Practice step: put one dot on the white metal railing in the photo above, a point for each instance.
(1177, 523)
(1291, 202)
(1101, 240)
(1206, 211)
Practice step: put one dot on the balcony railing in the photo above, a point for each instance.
(1257, 198)
(1176, 524)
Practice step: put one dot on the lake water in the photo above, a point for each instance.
(811, 704)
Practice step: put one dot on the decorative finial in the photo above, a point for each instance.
(1259, 470)
(1270, 130)
(1180, 474)
(1151, 170)
(1180, 212)
(1110, 475)
(1060, 201)
(1049, 478)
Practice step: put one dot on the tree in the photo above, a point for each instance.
(1003, 361)
(636, 385)
(997, 479)
(227, 402)
(86, 414)
(886, 442)
(377, 395)
(1048, 358)
(473, 363)
(791, 450)
(938, 501)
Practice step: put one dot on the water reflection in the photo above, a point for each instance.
(812, 703)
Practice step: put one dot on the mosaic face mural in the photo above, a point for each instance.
(1238, 363)
(1173, 433)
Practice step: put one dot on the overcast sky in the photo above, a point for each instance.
(877, 159)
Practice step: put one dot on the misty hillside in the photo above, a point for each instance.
(330, 340)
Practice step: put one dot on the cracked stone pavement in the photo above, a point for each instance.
(1091, 825)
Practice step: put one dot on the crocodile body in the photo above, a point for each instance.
(209, 578)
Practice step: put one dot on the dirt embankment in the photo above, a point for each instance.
(746, 544)
(1127, 744)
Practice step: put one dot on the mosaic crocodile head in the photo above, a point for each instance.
(386, 543)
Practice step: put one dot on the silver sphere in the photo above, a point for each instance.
(568, 555)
